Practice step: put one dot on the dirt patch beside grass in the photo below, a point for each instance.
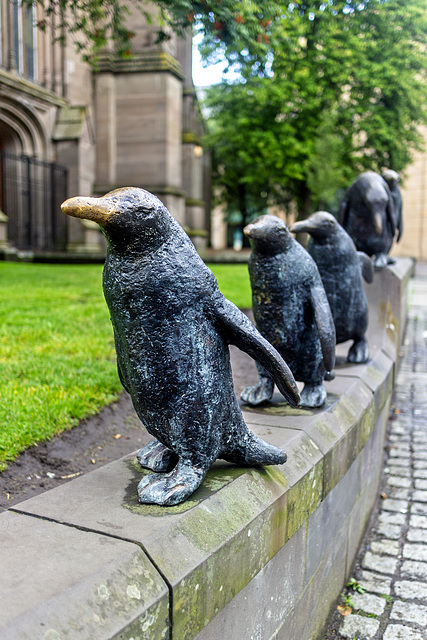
(109, 435)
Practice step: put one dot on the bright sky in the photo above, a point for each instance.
(205, 76)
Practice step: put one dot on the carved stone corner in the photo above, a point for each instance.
(92, 241)
(3, 231)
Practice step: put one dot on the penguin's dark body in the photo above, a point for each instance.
(392, 179)
(341, 268)
(172, 327)
(367, 214)
(290, 309)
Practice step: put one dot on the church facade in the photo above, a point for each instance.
(69, 129)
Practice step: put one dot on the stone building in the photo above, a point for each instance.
(414, 196)
(67, 129)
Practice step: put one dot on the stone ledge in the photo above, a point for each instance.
(62, 583)
(214, 546)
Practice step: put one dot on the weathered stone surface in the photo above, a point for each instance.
(402, 632)
(420, 496)
(397, 493)
(411, 589)
(328, 580)
(419, 508)
(258, 511)
(365, 627)
(225, 541)
(409, 612)
(395, 505)
(389, 517)
(398, 471)
(419, 522)
(413, 569)
(416, 535)
(334, 510)
(388, 547)
(248, 615)
(415, 552)
(382, 564)
(82, 585)
(399, 461)
(375, 582)
(398, 481)
(368, 603)
(377, 374)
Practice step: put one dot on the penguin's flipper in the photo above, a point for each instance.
(366, 266)
(239, 330)
(325, 324)
(389, 211)
(343, 211)
(399, 226)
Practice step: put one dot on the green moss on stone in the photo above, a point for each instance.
(303, 498)
(218, 476)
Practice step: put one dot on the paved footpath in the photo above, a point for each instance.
(392, 563)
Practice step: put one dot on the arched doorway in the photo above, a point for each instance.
(31, 189)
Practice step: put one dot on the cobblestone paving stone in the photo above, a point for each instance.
(392, 563)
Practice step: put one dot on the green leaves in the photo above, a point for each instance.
(345, 91)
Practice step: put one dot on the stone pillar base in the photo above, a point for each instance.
(93, 240)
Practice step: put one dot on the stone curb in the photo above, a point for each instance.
(196, 558)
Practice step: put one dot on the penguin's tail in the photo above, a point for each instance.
(253, 451)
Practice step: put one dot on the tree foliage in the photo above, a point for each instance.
(344, 91)
(239, 30)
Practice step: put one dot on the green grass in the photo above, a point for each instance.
(233, 280)
(57, 358)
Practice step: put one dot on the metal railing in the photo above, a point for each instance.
(31, 195)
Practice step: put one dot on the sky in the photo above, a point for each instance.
(206, 76)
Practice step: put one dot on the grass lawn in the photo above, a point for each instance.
(57, 358)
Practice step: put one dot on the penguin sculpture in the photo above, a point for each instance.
(341, 268)
(172, 327)
(291, 310)
(367, 214)
(392, 178)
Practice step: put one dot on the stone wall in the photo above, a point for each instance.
(255, 554)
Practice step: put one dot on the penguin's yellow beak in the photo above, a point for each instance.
(378, 223)
(97, 209)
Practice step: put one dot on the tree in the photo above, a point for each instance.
(344, 90)
(238, 29)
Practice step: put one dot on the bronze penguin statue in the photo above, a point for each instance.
(367, 214)
(291, 310)
(172, 327)
(341, 268)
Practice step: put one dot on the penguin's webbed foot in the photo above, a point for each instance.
(313, 396)
(167, 489)
(381, 260)
(259, 394)
(157, 457)
(358, 352)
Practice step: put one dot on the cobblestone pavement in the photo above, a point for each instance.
(392, 566)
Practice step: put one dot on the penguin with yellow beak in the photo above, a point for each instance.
(172, 328)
